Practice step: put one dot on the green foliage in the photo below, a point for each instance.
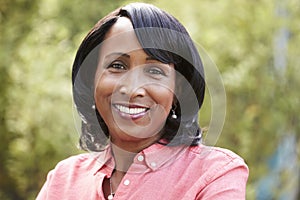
(38, 44)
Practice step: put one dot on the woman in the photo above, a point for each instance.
(138, 85)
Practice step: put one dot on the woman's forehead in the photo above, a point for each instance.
(120, 38)
(123, 24)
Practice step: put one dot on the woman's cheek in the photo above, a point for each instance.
(105, 86)
(163, 96)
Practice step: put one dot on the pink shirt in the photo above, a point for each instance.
(158, 172)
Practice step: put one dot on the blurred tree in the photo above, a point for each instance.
(12, 15)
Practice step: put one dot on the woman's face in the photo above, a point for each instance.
(133, 91)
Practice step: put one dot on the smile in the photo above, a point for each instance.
(131, 110)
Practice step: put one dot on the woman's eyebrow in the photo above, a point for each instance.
(120, 54)
(117, 54)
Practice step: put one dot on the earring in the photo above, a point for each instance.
(94, 107)
(174, 116)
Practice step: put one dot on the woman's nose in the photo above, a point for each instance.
(132, 84)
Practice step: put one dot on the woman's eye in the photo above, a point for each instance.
(116, 66)
(156, 71)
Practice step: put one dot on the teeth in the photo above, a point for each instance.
(131, 111)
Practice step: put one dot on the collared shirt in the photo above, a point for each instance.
(158, 172)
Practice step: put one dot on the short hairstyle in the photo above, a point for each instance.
(174, 46)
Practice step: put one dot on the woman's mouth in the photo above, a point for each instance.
(132, 112)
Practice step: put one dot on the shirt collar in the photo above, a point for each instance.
(156, 156)
(102, 159)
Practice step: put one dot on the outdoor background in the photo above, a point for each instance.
(255, 45)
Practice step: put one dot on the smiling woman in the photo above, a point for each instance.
(133, 92)
(138, 84)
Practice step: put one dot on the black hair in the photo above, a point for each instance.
(171, 46)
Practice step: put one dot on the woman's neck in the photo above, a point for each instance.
(124, 151)
(134, 146)
(123, 158)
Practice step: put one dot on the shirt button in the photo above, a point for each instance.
(126, 182)
(153, 164)
(140, 158)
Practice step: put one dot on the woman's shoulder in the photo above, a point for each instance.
(80, 162)
(211, 152)
(218, 165)
(221, 171)
(216, 157)
(71, 176)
